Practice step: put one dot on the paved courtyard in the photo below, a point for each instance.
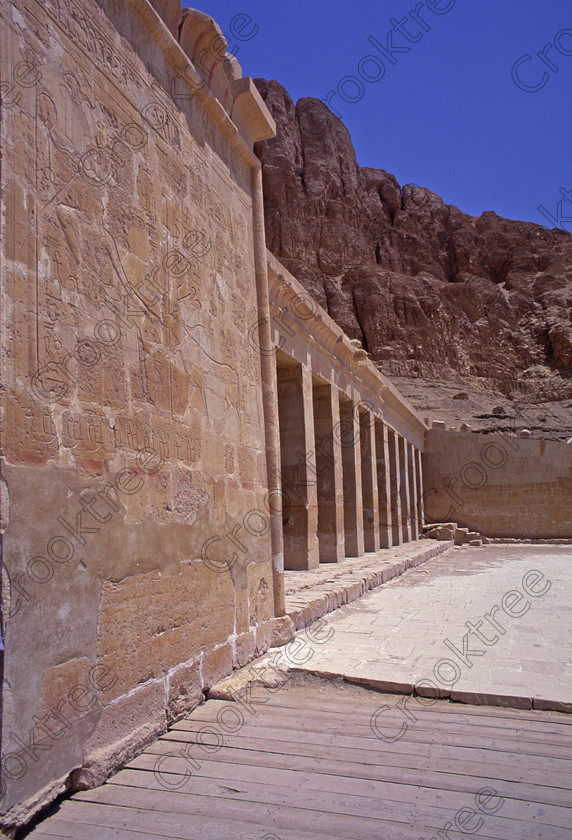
(494, 621)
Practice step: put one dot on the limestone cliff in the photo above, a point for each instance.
(468, 315)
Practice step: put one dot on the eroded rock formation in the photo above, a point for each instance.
(435, 295)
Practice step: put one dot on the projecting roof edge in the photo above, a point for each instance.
(283, 288)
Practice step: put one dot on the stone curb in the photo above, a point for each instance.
(312, 603)
(472, 698)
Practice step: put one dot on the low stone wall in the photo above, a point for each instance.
(500, 485)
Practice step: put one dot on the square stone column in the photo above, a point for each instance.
(370, 498)
(348, 438)
(330, 473)
(383, 484)
(404, 479)
(395, 485)
(419, 475)
(298, 466)
(413, 498)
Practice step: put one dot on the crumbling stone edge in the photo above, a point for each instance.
(473, 698)
(267, 672)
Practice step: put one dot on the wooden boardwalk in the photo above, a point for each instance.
(303, 763)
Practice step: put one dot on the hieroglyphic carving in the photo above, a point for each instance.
(78, 24)
(135, 239)
(32, 427)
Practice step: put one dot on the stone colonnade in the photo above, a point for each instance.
(350, 483)
(351, 480)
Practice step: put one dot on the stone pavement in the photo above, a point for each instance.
(429, 628)
(311, 594)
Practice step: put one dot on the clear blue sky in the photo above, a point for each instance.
(447, 115)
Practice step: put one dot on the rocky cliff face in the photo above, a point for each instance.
(468, 315)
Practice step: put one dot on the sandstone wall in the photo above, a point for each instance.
(500, 485)
(133, 428)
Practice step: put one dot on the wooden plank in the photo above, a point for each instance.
(81, 829)
(466, 778)
(362, 735)
(277, 818)
(342, 719)
(63, 833)
(449, 760)
(311, 805)
(373, 749)
(307, 766)
(290, 701)
(311, 792)
(287, 822)
(367, 746)
(315, 780)
(173, 825)
(96, 822)
(291, 696)
(495, 715)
